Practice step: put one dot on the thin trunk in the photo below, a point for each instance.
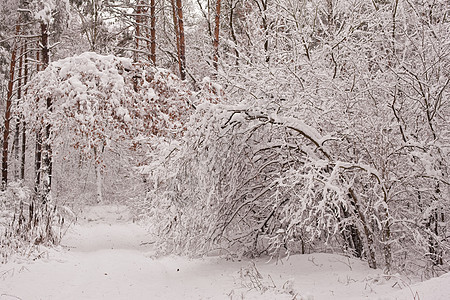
(18, 121)
(24, 135)
(386, 238)
(436, 217)
(175, 25)
(99, 183)
(330, 16)
(47, 157)
(356, 240)
(262, 6)
(38, 162)
(98, 175)
(233, 34)
(351, 235)
(182, 47)
(216, 36)
(6, 130)
(95, 25)
(138, 30)
(175, 28)
(394, 23)
(47, 150)
(38, 150)
(23, 149)
(371, 259)
(434, 253)
(153, 31)
(206, 16)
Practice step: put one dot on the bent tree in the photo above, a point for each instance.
(101, 101)
(254, 181)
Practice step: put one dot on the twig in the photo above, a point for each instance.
(8, 295)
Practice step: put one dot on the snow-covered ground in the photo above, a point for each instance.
(107, 256)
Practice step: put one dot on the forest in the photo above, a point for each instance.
(240, 128)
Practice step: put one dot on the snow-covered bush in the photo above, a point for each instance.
(103, 98)
(102, 111)
(251, 181)
(375, 77)
(26, 224)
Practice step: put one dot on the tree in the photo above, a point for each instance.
(352, 72)
(92, 22)
(153, 31)
(15, 148)
(96, 105)
(178, 22)
(253, 182)
(216, 35)
(9, 96)
(47, 14)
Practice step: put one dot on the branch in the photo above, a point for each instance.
(294, 124)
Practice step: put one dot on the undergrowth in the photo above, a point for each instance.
(26, 224)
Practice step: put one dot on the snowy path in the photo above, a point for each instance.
(107, 256)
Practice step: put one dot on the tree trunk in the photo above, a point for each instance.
(262, 6)
(38, 162)
(233, 34)
(386, 239)
(351, 235)
(6, 130)
(175, 28)
(153, 32)
(95, 6)
(434, 252)
(216, 36)
(46, 170)
(24, 134)
(330, 16)
(179, 33)
(371, 259)
(138, 20)
(38, 148)
(98, 175)
(18, 121)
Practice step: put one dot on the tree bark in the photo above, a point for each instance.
(233, 34)
(179, 33)
(24, 134)
(262, 6)
(47, 149)
(175, 27)
(351, 234)
(6, 130)
(153, 32)
(371, 259)
(138, 20)
(216, 36)
(98, 175)
(18, 121)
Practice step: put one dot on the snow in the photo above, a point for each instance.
(108, 256)
(45, 14)
(152, 94)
